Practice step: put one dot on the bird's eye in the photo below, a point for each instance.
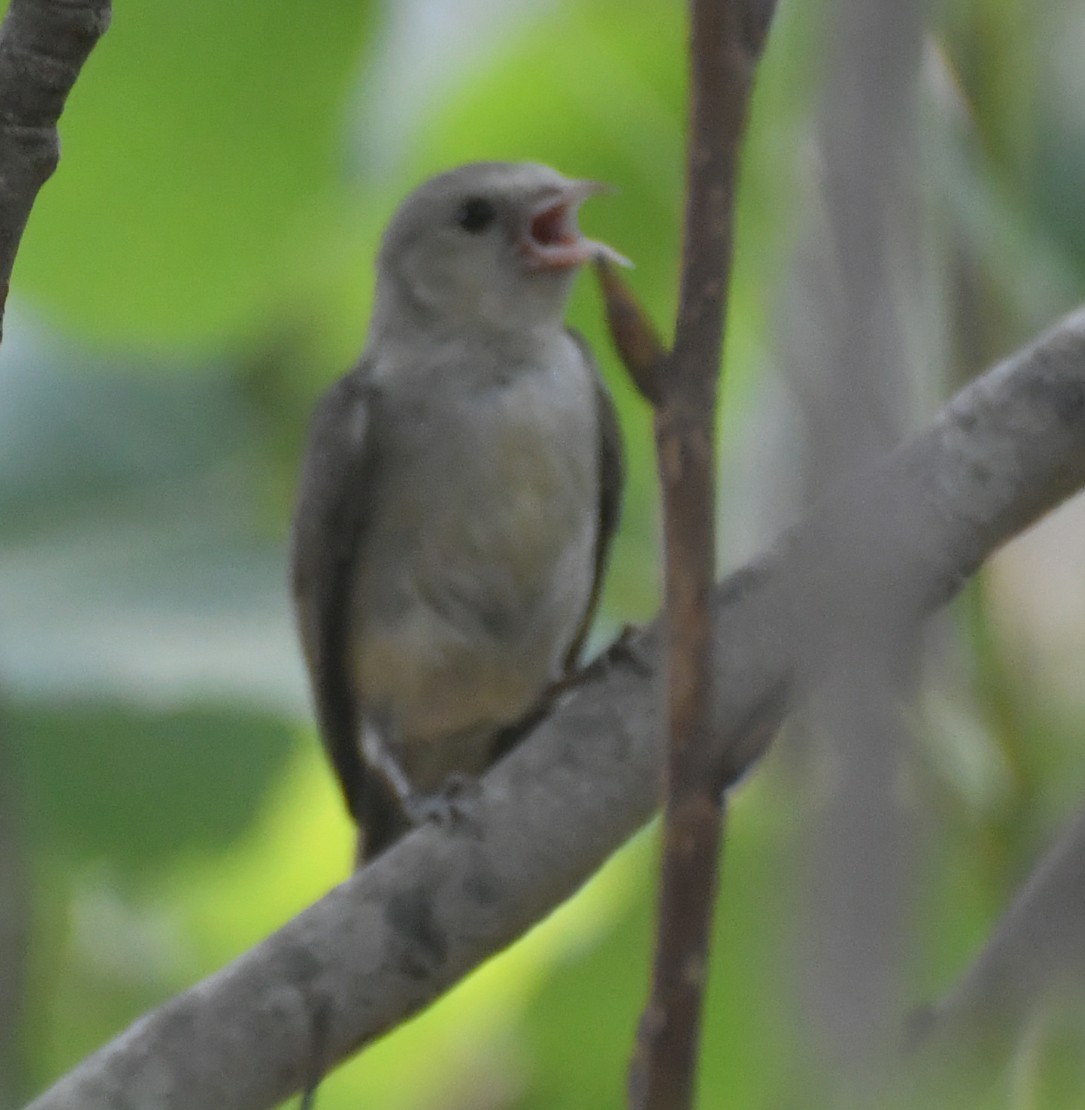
(476, 214)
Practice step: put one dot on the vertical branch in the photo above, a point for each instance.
(726, 37)
(43, 45)
(856, 644)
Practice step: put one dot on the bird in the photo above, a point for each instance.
(460, 488)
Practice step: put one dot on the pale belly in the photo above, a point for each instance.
(477, 570)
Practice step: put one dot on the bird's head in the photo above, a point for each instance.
(490, 247)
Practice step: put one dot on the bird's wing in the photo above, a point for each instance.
(336, 484)
(611, 485)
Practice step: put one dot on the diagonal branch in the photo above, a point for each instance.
(380, 947)
(1038, 946)
(43, 45)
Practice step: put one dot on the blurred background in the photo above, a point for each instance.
(200, 268)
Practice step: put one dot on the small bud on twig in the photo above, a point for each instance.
(635, 338)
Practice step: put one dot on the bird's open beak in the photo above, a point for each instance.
(552, 240)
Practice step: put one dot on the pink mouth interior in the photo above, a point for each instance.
(552, 228)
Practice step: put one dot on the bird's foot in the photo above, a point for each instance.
(624, 650)
(450, 806)
(627, 649)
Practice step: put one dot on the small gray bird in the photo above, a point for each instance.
(460, 489)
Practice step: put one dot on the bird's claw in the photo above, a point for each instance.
(449, 807)
(626, 649)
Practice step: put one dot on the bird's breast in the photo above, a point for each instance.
(479, 560)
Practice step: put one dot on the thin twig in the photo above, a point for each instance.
(385, 944)
(725, 40)
(43, 45)
(14, 931)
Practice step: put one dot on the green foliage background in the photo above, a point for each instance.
(200, 268)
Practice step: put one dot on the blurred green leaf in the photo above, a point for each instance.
(134, 558)
(194, 142)
(136, 786)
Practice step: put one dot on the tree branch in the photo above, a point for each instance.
(1039, 945)
(725, 41)
(383, 945)
(848, 360)
(43, 45)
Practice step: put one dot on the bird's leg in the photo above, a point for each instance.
(624, 649)
(379, 741)
(627, 649)
(445, 806)
(379, 810)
